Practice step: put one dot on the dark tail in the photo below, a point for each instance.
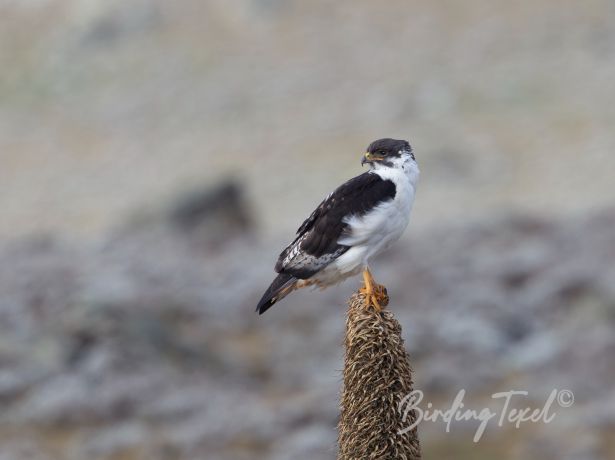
(283, 285)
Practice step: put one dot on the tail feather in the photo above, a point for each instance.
(281, 286)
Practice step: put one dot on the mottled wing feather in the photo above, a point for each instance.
(316, 244)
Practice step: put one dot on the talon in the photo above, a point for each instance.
(375, 294)
(374, 302)
(381, 295)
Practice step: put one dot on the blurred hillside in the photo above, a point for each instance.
(111, 106)
(134, 348)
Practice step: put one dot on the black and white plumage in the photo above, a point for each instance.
(354, 223)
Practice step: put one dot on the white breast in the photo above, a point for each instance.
(379, 228)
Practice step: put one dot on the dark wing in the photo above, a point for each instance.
(316, 244)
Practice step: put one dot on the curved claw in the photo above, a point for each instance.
(375, 294)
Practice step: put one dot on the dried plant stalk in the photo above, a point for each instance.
(377, 376)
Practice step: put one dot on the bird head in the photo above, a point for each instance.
(388, 153)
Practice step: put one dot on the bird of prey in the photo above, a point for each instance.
(361, 218)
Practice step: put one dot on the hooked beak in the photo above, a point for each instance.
(370, 158)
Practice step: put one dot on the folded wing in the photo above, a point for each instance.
(317, 241)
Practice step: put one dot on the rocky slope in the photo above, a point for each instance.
(146, 345)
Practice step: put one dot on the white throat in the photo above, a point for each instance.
(399, 169)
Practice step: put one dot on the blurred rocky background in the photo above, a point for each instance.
(155, 157)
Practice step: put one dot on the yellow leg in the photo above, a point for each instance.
(375, 294)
